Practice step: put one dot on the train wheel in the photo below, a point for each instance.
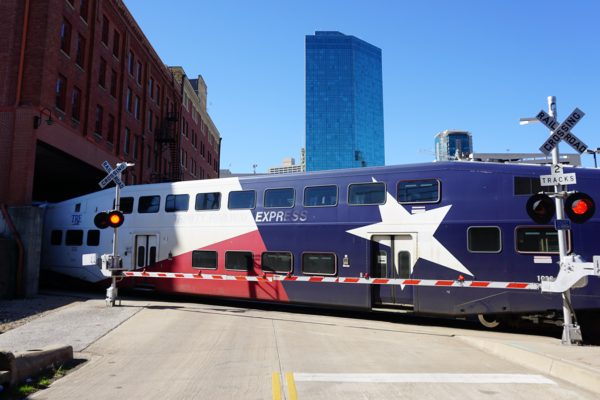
(489, 321)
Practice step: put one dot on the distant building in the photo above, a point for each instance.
(344, 102)
(226, 173)
(526, 158)
(448, 142)
(288, 166)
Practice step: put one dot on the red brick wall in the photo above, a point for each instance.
(44, 61)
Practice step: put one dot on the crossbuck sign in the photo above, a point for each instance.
(113, 174)
(561, 131)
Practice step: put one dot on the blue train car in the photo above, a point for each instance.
(424, 221)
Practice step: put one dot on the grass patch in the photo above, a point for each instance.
(41, 382)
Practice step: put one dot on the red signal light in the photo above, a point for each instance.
(580, 207)
(115, 219)
(540, 208)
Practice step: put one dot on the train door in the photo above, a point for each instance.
(146, 252)
(392, 257)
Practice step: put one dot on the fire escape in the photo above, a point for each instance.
(166, 137)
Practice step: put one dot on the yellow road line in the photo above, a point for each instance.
(291, 386)
(276, 386)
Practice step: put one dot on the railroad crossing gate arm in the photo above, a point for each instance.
(573, 273)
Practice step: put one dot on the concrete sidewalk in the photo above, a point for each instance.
(579, 365)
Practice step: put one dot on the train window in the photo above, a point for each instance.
(526, 186)
(321, 196)
(56, 238)
(74, 238)
(148, 204)
(239, 260)
(366, 193)
(484, 239)
(93, 237)
(319, 263)
(404, 265)
(208, 201)
(276, 261)
(539, 239)
(424, 191)
(280, 198)
(125, 205)
(204, 259)
(177, 202)
(242, 200)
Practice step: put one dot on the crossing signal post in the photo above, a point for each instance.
(111, 263)
(579, 207)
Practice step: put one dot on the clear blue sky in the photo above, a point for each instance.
(470, 65)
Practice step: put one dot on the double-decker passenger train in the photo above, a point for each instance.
(421, 221)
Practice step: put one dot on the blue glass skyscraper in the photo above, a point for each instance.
(344, 102)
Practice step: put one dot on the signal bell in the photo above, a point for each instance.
(541, 208)
(112, 219)
(579, 207)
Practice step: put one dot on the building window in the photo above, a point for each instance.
(137, 108)
(151, 88)
(148, 156)
(65, 40)
(156, 123)
(279, 198)
(102, 73)
(366, 193)
(210, 138)
(80, 55)
(139, 73)
(158, 95)
(242, 200)
(130, 66)
(239, 260)
(126, 144)
(319, 263)
(486, 239)
(204, 259)
(154, 162)
(116, 43)
(111, 129)
(276, 262)
(177, 202)
(209, 158)
(133, 179)
(75, 104)
(320, 196)
(135, 147)
(150, 121)
(128, 100)
(148, 204)
(113, 83)
(98, 124)
(83, 9)
(105, 30)
(425, 191)
(61, 86)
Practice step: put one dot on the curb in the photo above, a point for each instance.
(579, 375)
(26, 364)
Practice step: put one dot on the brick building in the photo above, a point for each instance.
(87, 66)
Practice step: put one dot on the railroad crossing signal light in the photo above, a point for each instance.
(112, 219)
(580, 207)
(541, 208)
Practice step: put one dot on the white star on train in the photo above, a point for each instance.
(395, 219)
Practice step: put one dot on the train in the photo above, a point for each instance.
(443, 220)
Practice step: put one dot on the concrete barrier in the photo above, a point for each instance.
(23, 365)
